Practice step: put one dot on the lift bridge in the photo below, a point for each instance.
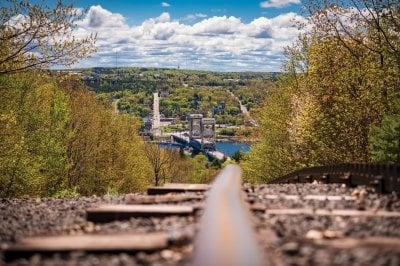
(201, 136)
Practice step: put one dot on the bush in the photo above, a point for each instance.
(67, 193)
(385, 140)
(112, 191)
(227, 132)
(237, 156)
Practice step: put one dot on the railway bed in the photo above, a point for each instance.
(327, 224)
(293, 224)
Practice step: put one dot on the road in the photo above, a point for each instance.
(243, 109)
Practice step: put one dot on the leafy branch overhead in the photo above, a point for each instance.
(37, 36)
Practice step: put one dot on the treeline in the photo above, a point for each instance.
(57, 139)
(339, 99)
(113, 84)
(153, 79)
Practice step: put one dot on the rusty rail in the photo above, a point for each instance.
(384, 178)
(226, 235)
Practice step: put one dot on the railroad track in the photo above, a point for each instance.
(308, 223)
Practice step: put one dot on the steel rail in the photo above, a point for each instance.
(226, 235)
(384, 178)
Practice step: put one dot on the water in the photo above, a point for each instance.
(230, 148)
(227, 148)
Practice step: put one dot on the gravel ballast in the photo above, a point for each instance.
(44, 217)
(291, 239)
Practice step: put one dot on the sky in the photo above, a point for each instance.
(217, 35)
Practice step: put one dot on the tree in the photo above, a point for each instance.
(385, 140)
(370, 27)
(200, 171)
(341, 80)
(160, 159)
(273, 155)
(371, 24)
(353, 65)
(105, 149)
(36, 36)
(57, 139)
(237, 156)
(34, 115)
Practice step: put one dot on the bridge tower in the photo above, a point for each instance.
(208, 134)
(202, 132)
(195, 126)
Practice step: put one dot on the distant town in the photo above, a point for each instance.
(231, 98)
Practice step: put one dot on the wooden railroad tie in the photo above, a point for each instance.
(126, 242)
(323, 212)
(388, 244)
(306, 197)
(165, 198)
(177, 188)
(107, 213)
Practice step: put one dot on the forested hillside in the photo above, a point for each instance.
(57, 138)
(338, 101)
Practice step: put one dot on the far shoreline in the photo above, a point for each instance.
(235, 139)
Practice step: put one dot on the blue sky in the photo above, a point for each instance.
(217, 35)
(136, 11)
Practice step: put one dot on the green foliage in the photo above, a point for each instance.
(182, 91)
(272, 156)
(245, 132)
(67, 193)
(180, 102)
(105, 148)
(237, 156)
(55, 142)
(34, 116)
(385, 140)
(227, 132)
(161, 161)
(172, 165)
(341, 79)
(112, 191)
(199, 172)
(150, 80)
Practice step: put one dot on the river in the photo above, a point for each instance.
(229, 148)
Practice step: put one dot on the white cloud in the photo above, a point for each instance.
(98, 17)
(215, 43)
(278, 3)
(164, 17)
(17, 21)
(195, 16)
(217, 26)
(165, 4)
